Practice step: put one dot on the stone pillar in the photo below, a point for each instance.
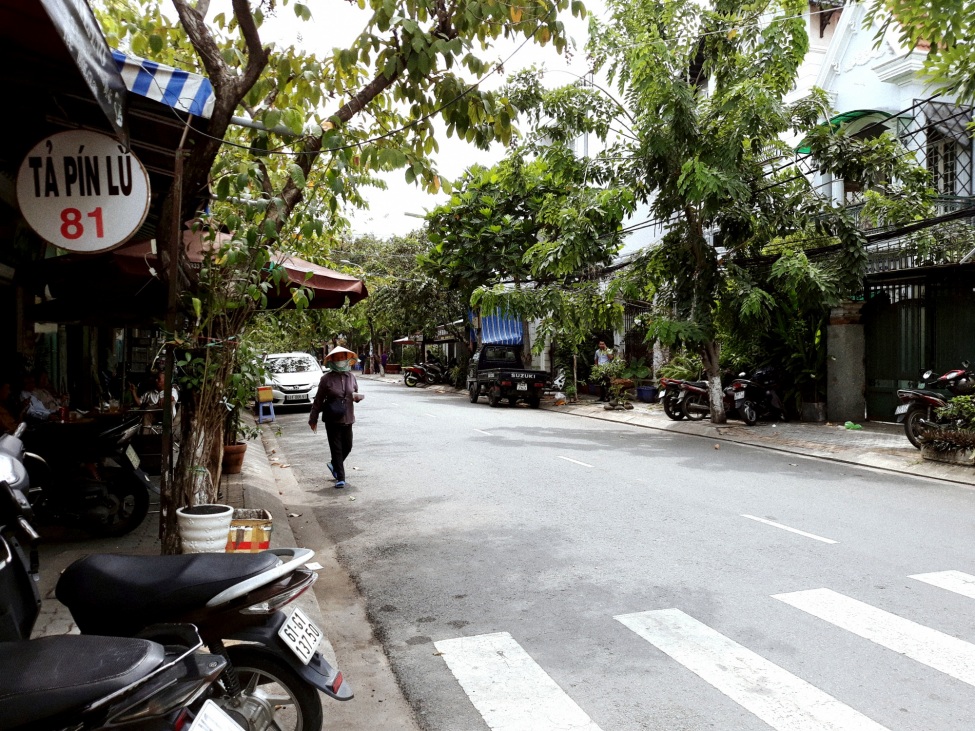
(846, 374)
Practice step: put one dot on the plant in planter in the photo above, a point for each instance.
(571, 393)
(241, 388)
(615, 371)
(954, 441)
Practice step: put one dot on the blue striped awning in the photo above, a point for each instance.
(500, 329)
(181, 90)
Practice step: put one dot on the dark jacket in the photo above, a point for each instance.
(335, 385)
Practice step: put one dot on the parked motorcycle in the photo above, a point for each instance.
(414, 375)
(148, 683)
(918, 407)
(85, 477)
(756, 397)
(693, 400)
(274, 669)
(671, 397)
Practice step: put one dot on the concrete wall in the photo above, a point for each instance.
(845, 365)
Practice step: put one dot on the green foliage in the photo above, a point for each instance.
(247, 374)
(684, 365)
(961, 410)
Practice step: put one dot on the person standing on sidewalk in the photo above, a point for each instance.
(338, 391)
(603, 355)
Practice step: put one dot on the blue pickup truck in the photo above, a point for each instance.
(497, 371)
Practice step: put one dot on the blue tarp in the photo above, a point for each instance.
(499, 329)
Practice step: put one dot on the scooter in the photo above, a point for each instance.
(671, 398)
(153, 682)
(756, 397)
(274, 670)
(918, 407)
(414, 375)
(92, 479)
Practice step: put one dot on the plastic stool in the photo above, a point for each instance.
(265, 409)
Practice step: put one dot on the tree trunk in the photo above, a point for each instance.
(711, 355)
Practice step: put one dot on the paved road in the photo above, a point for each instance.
(531, 570)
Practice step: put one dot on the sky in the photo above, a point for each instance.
(335, 23)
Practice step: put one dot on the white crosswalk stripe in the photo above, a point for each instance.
(508, 688)
(780, 699)
(955, 581)
(930, 647)
(513, 693)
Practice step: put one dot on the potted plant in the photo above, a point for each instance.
(638, 371)
(241, 391)
(955, 441)
(615, 371)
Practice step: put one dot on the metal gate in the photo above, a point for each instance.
(912, 325)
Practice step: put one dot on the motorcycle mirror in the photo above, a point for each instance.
(742, 374)
(927, 375)
(966, 365)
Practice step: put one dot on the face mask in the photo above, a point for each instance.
(339, 365)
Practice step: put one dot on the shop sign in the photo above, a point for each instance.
(81, 191)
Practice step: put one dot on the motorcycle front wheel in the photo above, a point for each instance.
(126, 503)
(273, 696)
(410, 379)
(672, 409)
(913, 426)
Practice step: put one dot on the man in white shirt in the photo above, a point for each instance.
(603, 355)
(35, 407)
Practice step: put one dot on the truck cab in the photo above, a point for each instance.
(497, 371)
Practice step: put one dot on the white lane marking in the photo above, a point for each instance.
(776, 696)
(955, 581)
(427, 413)
(927, 646)
(508, 688)
(575, 461)
(791, 530)
(484, 432)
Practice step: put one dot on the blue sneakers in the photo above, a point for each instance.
(340, 483)
(331, 469)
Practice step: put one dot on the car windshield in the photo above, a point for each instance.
(292, 364)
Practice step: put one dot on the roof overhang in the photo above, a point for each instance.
(855, 121)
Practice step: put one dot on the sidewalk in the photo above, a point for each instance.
(255, 487)
(878, 445)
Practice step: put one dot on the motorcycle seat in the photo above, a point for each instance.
(919, 392)
(136, 591)
(62, 674)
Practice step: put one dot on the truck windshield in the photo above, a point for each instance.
(504, 355)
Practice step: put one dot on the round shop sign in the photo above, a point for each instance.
(82, 191)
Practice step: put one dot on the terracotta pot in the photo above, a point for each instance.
(233, 458)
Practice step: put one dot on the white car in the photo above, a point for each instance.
(293, 377)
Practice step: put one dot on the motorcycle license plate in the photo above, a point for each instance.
(522, 387)
(133, 457)
(213, 718)
(902, 409)
(739, 395)
(301, 635)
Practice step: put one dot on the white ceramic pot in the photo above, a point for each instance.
(204, 528)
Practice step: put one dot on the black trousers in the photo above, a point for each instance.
(339, 444)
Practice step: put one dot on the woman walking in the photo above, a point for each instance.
(338, 391)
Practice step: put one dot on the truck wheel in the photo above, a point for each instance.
(494, 398)
(534, 402)
(472, 392)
